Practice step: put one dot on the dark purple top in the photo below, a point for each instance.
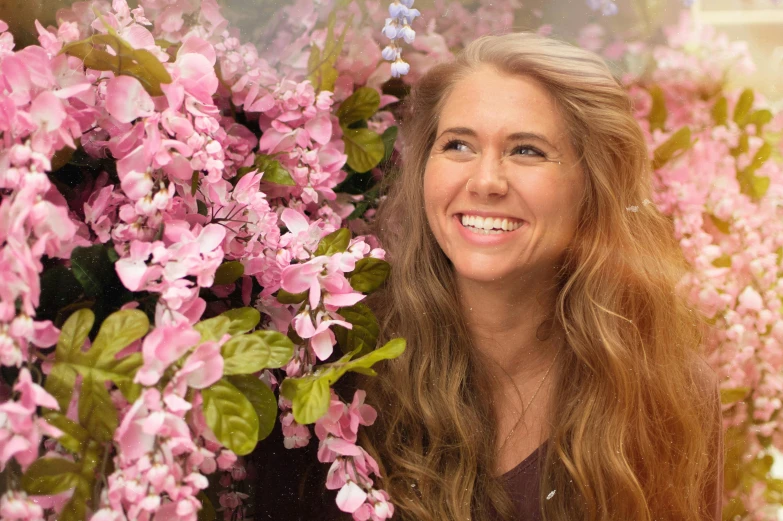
(523, 482)
(523, 485)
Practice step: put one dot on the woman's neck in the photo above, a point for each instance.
(512, 327)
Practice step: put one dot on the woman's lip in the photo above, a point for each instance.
(488, 239)
(488, 214)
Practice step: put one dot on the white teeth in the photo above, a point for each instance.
(489, 225)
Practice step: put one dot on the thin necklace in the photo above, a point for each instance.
(530, 402)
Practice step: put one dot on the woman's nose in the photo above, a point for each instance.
(489, 179)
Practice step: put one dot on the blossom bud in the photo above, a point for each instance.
(390, 53)
(407, 34)
(390, 30)
(399, 68)
(396, 10)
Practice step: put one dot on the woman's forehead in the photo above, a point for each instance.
(495, 104)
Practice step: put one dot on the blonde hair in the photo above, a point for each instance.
(633, 417)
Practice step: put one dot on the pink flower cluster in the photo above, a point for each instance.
(733, 241)
(160, 467)
(324, 274)
(21, 430)
(351, 466)
(40, 114)
(180, 207)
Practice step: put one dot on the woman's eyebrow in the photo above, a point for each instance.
(516, 136)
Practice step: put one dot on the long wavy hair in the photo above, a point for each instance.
(634, 408)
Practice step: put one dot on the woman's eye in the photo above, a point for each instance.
(455, 144)
(526, 150)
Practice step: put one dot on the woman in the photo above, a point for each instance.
(552, 370)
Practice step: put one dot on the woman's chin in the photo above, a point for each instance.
(483, 275)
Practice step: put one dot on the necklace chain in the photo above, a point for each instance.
(531, 401)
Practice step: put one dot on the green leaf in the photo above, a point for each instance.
(720, 111)
(73, 334)
(279, 347)
(362, 104)
(309, 397)
(285, 297)
(213, 328)
(96, 410)
(750, 184)
(231, 417)
(250, 353)
(76, 508)
(680, 140)
(364, 334)
(720, 224)
(60, 383)
(61, 380)
(139, 63)
(207, 511)
(759, 118)
(388, 137)
(242, 319)
(369, 274)
(321, 71)
(47, 476)
(742, 147)
(118, 331)
(728, 396)
(194, 182)
(261, 397)
(74, 436)
(392, 349)
(658, 112)
(99, 364)
(228, 272)
(62, 157)
(273, 171)
(335, 242)
(724, 261)
(758, 186)
(92, 268)
(761, 156)
(364, 148)
(743, 106)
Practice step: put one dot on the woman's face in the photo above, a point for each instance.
(501, 186)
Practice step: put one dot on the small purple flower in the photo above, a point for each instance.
(397, 10)
(390, 53)
(399, 68)
(407, 34)
(607, 7)
(397, 28)
(390, 30)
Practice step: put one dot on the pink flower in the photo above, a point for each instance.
(203, 367)
(16, 506)
(126, 99)
(350, 497)
(162, 347)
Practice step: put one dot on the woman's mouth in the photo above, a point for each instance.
(489, 225)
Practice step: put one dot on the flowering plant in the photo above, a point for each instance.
(719, 176)
(178, 267)
(176, 270)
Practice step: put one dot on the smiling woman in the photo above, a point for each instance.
(553, 371)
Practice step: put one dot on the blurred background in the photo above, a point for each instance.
(757, 22)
